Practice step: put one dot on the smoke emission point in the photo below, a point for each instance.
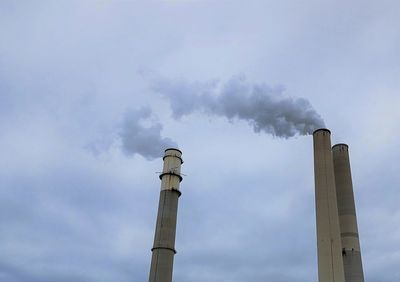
(263, 107)
(141, 134)
(322, 129)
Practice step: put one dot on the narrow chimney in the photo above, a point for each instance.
(330, 263)
(351, 251)
(164, 239)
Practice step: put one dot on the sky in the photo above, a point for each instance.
(87, 107)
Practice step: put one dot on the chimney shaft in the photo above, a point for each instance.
(330, 263)
(347, 215)
(163, 250)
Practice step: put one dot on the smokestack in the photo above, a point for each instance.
(351, 251)
(164, 239)
(330, 263)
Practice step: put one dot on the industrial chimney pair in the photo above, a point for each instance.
(339, 254)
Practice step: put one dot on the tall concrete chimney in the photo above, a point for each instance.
(351, 251)
(330, 262)
(164, 239)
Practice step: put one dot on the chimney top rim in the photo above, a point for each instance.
(321, 129)
(174, 149)
(340, 144)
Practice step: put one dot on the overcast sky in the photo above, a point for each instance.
(86, 108)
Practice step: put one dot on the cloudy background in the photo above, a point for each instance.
(80, 94)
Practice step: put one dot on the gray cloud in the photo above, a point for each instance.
(265, 108)
(68, 70)
(143, 140)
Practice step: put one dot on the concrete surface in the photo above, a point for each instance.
(330, 262)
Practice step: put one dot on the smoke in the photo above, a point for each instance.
(263, 107)
(140, 139)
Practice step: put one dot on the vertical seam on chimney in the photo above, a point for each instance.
(329, 216)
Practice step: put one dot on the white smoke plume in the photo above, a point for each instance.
(263, 107)
(138, 138)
